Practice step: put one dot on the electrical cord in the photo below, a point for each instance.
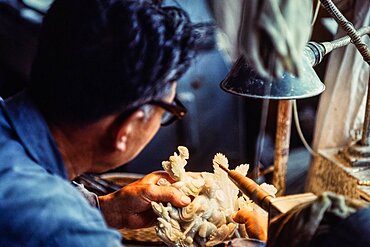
(317, 9)
(299, 130)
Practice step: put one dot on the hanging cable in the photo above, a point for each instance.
(317, 9)
(299, 130)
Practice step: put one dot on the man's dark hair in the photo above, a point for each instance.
(96, 57)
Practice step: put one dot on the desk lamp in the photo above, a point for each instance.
(243, 80)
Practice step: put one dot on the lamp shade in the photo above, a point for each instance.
(244, 81)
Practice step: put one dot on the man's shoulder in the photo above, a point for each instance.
(45, 207)
(12, 149)
(29, 184)
(13, 156)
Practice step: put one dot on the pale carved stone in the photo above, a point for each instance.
(207, 220)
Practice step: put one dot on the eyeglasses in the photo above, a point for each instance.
(173, 111)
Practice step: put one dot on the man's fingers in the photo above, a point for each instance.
(152, 178)
(255, 223)
(244, 216)
(167, 194)
(155, 176)
(153, 192)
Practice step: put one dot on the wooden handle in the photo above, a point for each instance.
(250, 188)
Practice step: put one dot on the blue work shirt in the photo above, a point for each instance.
(38, 205)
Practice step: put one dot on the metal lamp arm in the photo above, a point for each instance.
(348, 27)
(315, 51)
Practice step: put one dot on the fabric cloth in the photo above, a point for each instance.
(38, 205)
(273, 34)
(227, 15)
(323, 222)
(341, 109)
(353, 231)
(242, 242)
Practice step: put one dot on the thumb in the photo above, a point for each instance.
(255, 223)
(167, 194)
(243, 216)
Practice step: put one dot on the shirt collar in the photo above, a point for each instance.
(34, 133)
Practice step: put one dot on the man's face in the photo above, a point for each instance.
(142, 130)
(145, 130)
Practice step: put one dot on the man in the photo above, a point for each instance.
(103, 78)
(103, 81)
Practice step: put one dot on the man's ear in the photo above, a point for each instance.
(125, 130)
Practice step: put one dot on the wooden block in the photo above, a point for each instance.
(283, 204)
(329, 172)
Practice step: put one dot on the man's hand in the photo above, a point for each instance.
(255, 223)
(130, 206)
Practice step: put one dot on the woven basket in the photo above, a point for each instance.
(147, 235)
